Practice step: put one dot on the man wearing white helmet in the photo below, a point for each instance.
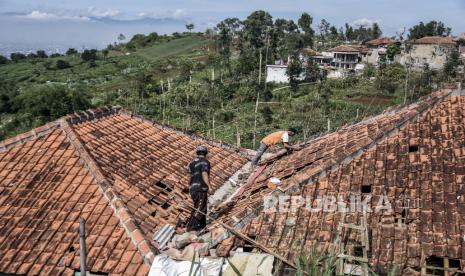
(199, 170)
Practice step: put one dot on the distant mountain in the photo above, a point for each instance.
(26, 35)
(143, 20)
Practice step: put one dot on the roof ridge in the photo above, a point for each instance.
(390, 109)
(120, 210)
(28, 135)
(379, 137)
(242, 151)
(90, 114)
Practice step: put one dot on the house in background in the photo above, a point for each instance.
(345, 57)
(277, 73)
(377, 50)
(431, 50)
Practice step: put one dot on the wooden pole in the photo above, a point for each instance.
(82, 245)
(238, 136)
(255, 121)
(260, 68)
(266, 55)
(406, 84)
(213, 124)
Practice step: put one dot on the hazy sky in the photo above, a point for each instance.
(87, 22)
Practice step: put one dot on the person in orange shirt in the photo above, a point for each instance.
(275, 138)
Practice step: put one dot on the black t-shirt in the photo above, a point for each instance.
(196, 167)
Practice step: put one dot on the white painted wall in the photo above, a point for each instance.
(276, 73)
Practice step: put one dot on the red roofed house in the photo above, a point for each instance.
(345, 57)
(412, 158)
(431, 50)
(123, 174)
(377, 49)
(117, 171)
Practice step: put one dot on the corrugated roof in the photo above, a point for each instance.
(412, 154)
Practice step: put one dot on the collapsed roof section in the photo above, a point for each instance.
(117, 171)
(410, 154)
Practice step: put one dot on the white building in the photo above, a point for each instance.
(276, 73)
(377, 50)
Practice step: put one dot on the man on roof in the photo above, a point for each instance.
(199, 171)
(275, 138)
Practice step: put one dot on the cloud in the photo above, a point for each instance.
(179, 13)
(103, 13)
(365, 22)
(45, 16)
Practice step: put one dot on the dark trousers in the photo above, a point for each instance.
(261, 150)
(198, 221)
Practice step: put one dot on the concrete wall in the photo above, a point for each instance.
(433, 54)
(276, 73)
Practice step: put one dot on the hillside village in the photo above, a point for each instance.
(364, 174)
(340, 61)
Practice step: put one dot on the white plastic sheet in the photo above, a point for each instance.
(164, 266)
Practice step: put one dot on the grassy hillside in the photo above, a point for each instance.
(182, 47)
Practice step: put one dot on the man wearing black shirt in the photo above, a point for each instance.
(199, 170)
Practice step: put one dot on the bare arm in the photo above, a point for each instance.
(287, 146)
(206, 179)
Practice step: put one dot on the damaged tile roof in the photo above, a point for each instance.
(380, 41)
(434, 40)
(414, 153)
(116, 170)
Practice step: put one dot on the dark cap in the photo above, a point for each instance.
(201, 149)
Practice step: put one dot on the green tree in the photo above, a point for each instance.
(190, 27)
(152, 37)
(324, 30)
(305, 24)
(228, 30)
(451, 66)
(48, 102)
(41, 54)
(138, 40)
(312, 71)
(349, 32)
(376, 31)
(390, 76)
(62, 64)
(17, 57)
(255, 28)
(89, 55)
(267, 114)
(392, 50)
(3, 60)
(432, 28)
(8, 92)
(294, 71)
(121, 38)
(71, 51)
